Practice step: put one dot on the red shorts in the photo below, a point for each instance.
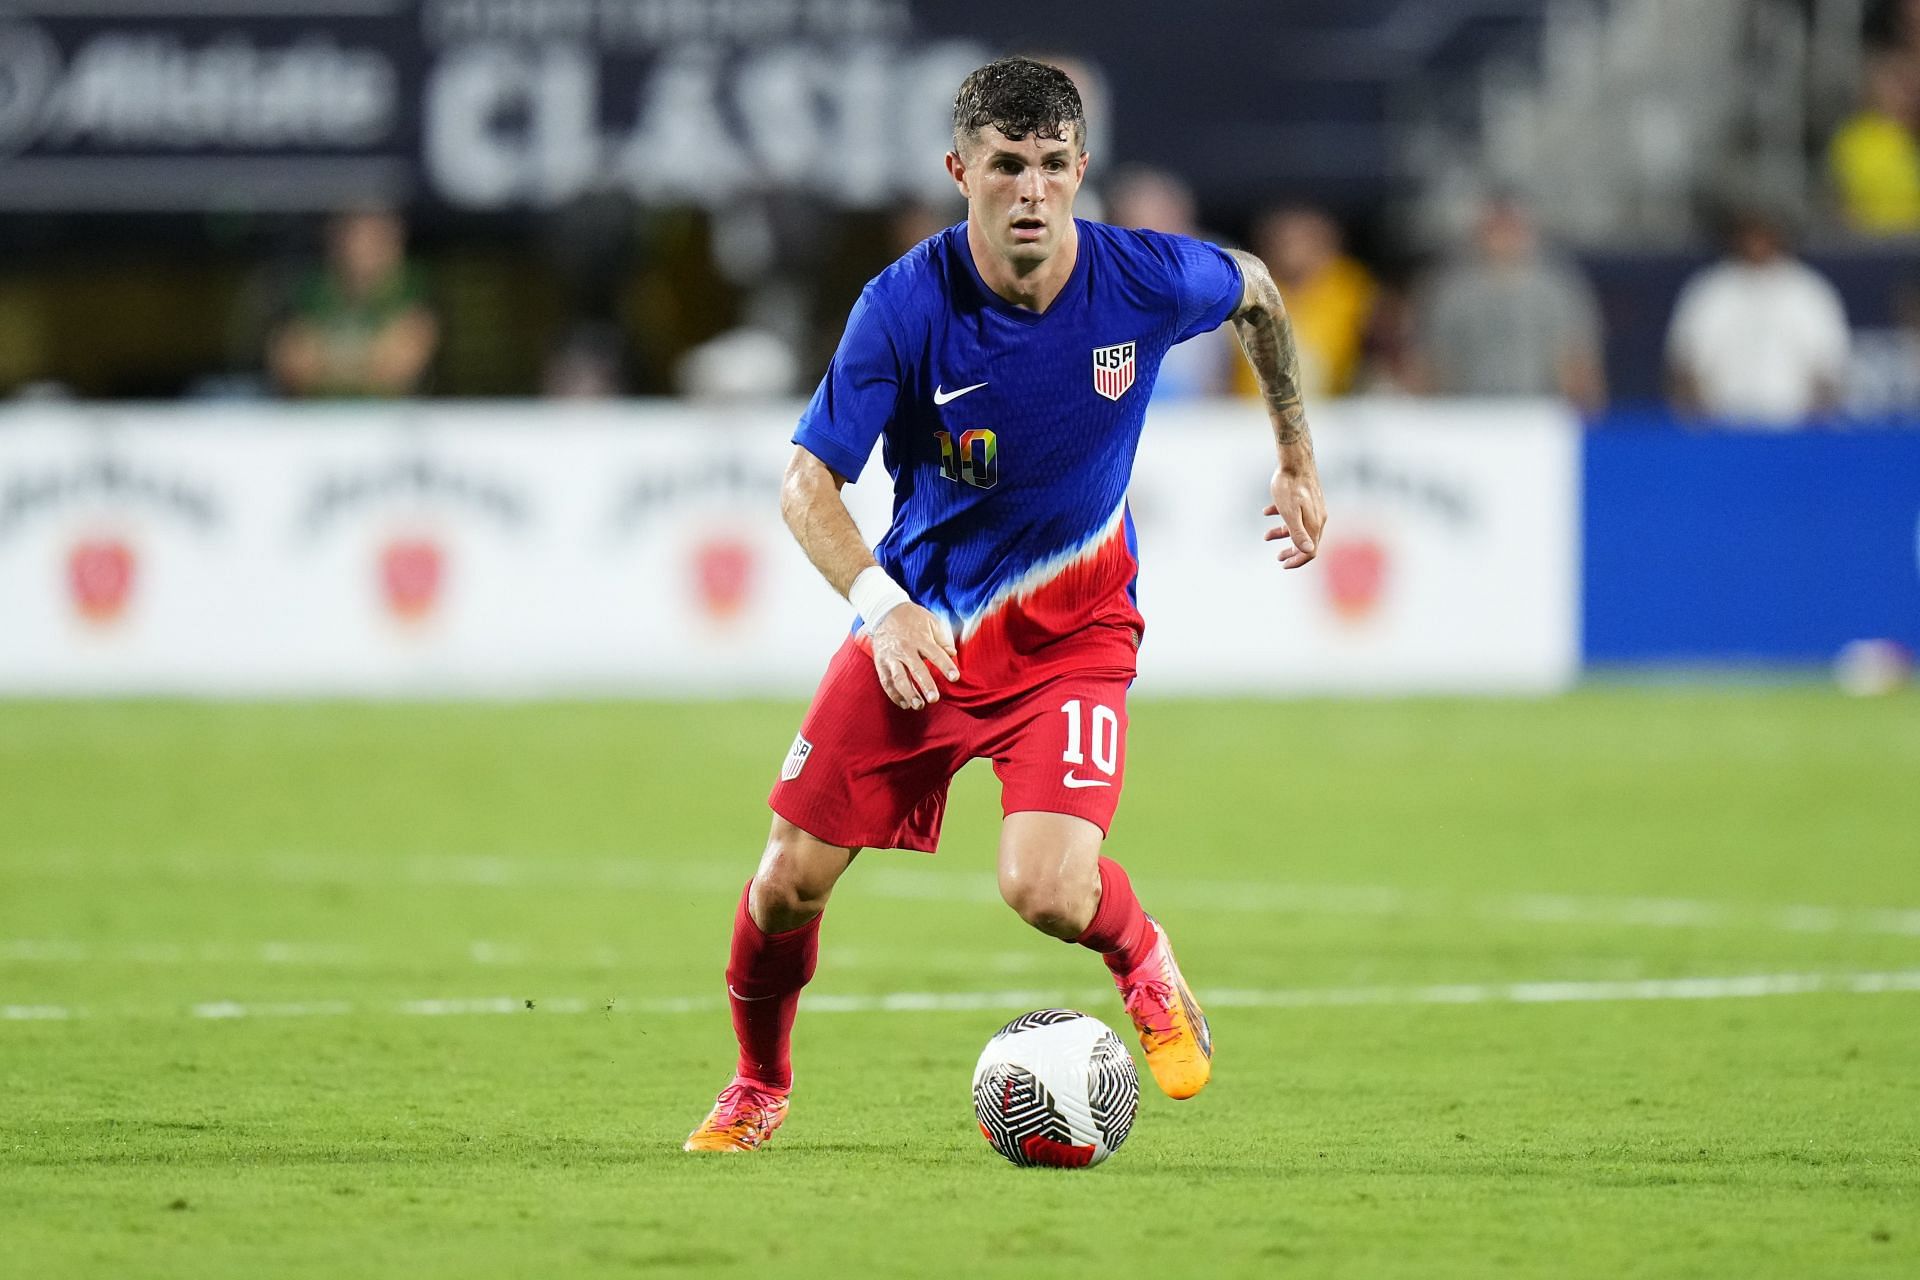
(866, 774)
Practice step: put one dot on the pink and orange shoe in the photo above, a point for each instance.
(745, 1116)
(1172, 1028)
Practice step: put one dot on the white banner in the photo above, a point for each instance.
(1450, 561)
(523, 549)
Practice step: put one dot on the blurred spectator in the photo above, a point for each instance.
(1389, 364)
(1759, 336)
(360, 325)
(742, 365)
(1508, 319)
(1874, 158)
(588, 364)
(1893, 24)
(1330, 298)
(911, 221)
(1158, 201)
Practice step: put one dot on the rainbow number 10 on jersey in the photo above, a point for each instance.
(972, 459)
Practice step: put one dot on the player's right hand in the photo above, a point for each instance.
(909, 646)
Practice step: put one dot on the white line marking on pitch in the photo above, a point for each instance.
(35, 1013)
(1737, 987)
(314, 955)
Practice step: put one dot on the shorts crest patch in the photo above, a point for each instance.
(796, 758)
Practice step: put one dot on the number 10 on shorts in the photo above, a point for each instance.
(1103, 740)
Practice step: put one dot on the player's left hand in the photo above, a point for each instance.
(1302, 511)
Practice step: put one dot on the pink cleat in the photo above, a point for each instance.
(744, 1116)
(1172, 1028)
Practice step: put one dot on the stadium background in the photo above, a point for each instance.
(443, 353)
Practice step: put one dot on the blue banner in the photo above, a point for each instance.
(1724, 547)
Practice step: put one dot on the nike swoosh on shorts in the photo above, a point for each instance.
(1075, 784)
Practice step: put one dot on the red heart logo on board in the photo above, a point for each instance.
(724, 570)
(100, 574)
(1355, 571)
(411, 573)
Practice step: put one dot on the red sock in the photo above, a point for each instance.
(1119, 928)
(764, 975)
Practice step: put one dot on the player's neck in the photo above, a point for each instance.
(1035, 287)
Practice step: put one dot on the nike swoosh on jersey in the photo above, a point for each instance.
(1074, 784)
(941, 397)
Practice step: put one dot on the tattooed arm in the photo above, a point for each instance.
(1266, 335)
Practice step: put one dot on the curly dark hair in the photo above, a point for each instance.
(1019, 96)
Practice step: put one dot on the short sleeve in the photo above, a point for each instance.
(1207, 283)
(856, 399)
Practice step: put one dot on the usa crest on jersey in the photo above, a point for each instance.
(1113, 369)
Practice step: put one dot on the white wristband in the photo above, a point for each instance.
(874, 595)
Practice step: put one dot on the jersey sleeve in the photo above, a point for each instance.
(856, 398)
(1206, 282)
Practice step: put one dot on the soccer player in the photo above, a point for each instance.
(1006, 362)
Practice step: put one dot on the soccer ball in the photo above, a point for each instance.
(1055, 1087)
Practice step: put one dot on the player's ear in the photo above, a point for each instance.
(957, 170)
(1080, 169)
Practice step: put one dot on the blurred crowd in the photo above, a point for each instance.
(1874, 157)
(1756, 337)
(747, 302)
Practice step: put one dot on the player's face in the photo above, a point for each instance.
(1020, 193)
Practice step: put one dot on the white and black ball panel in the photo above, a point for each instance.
(1113, 1090)
(1055, 1087)
(1038, 1018)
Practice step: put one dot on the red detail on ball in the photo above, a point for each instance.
(985, 1132)
(1057, 1155)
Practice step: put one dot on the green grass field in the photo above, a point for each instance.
(349, 990)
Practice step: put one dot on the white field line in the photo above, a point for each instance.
(910, 883)
(480, 953)
(308, 955)
(299, 954)
(1738, 987)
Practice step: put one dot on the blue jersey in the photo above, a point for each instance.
(1010, 434)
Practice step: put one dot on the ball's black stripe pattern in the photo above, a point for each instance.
(1013, 1106)
(1039, 1018)
(1113, 1091)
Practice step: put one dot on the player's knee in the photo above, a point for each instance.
(795, 878)
(782, 902)
(1047, 903)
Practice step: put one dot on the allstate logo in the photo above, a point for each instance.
(29, 71)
